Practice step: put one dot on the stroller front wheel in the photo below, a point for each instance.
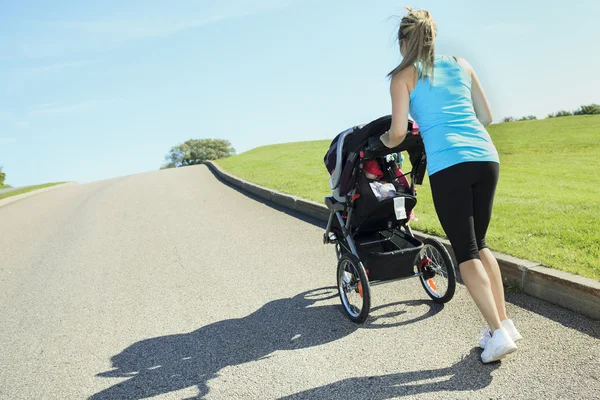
(353, 288)
(436, 271)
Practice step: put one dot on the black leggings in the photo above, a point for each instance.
(463, 195)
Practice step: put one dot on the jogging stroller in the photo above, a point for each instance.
(371, 233)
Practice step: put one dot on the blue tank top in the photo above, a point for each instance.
(451, 132)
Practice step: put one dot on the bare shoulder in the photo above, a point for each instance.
(407, 77)
(465, 65)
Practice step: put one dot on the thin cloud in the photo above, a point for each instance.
(162, 24)
(60, 66)
(117, 31)
(58, 108)
(58, 38)
(509, 28)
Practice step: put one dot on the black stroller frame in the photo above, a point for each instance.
(373, 240)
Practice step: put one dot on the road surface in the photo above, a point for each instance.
(174, 285)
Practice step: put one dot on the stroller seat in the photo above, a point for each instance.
(385, 214)
(371, 214)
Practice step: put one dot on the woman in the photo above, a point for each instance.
(446, 99)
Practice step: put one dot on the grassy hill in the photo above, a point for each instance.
(547, 205)
(27, 189)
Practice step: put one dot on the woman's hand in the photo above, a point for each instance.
(400, 101)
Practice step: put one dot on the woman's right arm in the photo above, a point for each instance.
(480, 102)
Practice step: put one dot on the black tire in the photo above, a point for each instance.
(356, 284)
(440, 266)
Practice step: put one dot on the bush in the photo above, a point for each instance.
(508, 119)
(590, 109)
(528, 118)
(561, 113)
(2, 177)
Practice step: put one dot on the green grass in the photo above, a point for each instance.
(27, 189)
(547, 206)
(5, 186)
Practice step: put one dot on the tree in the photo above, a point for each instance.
(508, 119)
(194, 152)
(588, 110)
(2, 176)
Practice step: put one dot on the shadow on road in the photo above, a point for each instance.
(169, 363)
(400, 313)
(469, 374)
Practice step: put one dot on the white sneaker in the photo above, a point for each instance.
(498, 347)
(487, 335)
(507, 324)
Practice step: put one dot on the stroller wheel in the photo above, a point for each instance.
(436, 271)
(353, 287)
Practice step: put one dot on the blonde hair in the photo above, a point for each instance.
(418, 31)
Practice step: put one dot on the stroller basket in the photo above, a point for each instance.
(388, 254)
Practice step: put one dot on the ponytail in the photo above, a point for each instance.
(418, 31)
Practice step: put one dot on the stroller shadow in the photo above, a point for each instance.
(400, 314)
(469, 374)
(169, 363)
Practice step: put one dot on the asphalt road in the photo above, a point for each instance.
(172, 284)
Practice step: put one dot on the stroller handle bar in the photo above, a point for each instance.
(375, 146)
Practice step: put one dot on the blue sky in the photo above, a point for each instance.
(94, 90)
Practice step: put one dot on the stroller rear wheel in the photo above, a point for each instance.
(353, 287)
(437, 271)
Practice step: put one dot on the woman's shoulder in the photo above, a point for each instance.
(464, 64)
(442, 58)
(406, 75)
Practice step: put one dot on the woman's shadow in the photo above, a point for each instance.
(169, 363)
(174, 362)
(467, 374)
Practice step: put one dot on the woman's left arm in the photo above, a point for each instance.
(400, 102)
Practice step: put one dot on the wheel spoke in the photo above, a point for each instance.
(349, 291)
(438, 266)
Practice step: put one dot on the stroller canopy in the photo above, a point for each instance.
(352, 141)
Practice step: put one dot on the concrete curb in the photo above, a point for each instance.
(13, 199)
(560, 288)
